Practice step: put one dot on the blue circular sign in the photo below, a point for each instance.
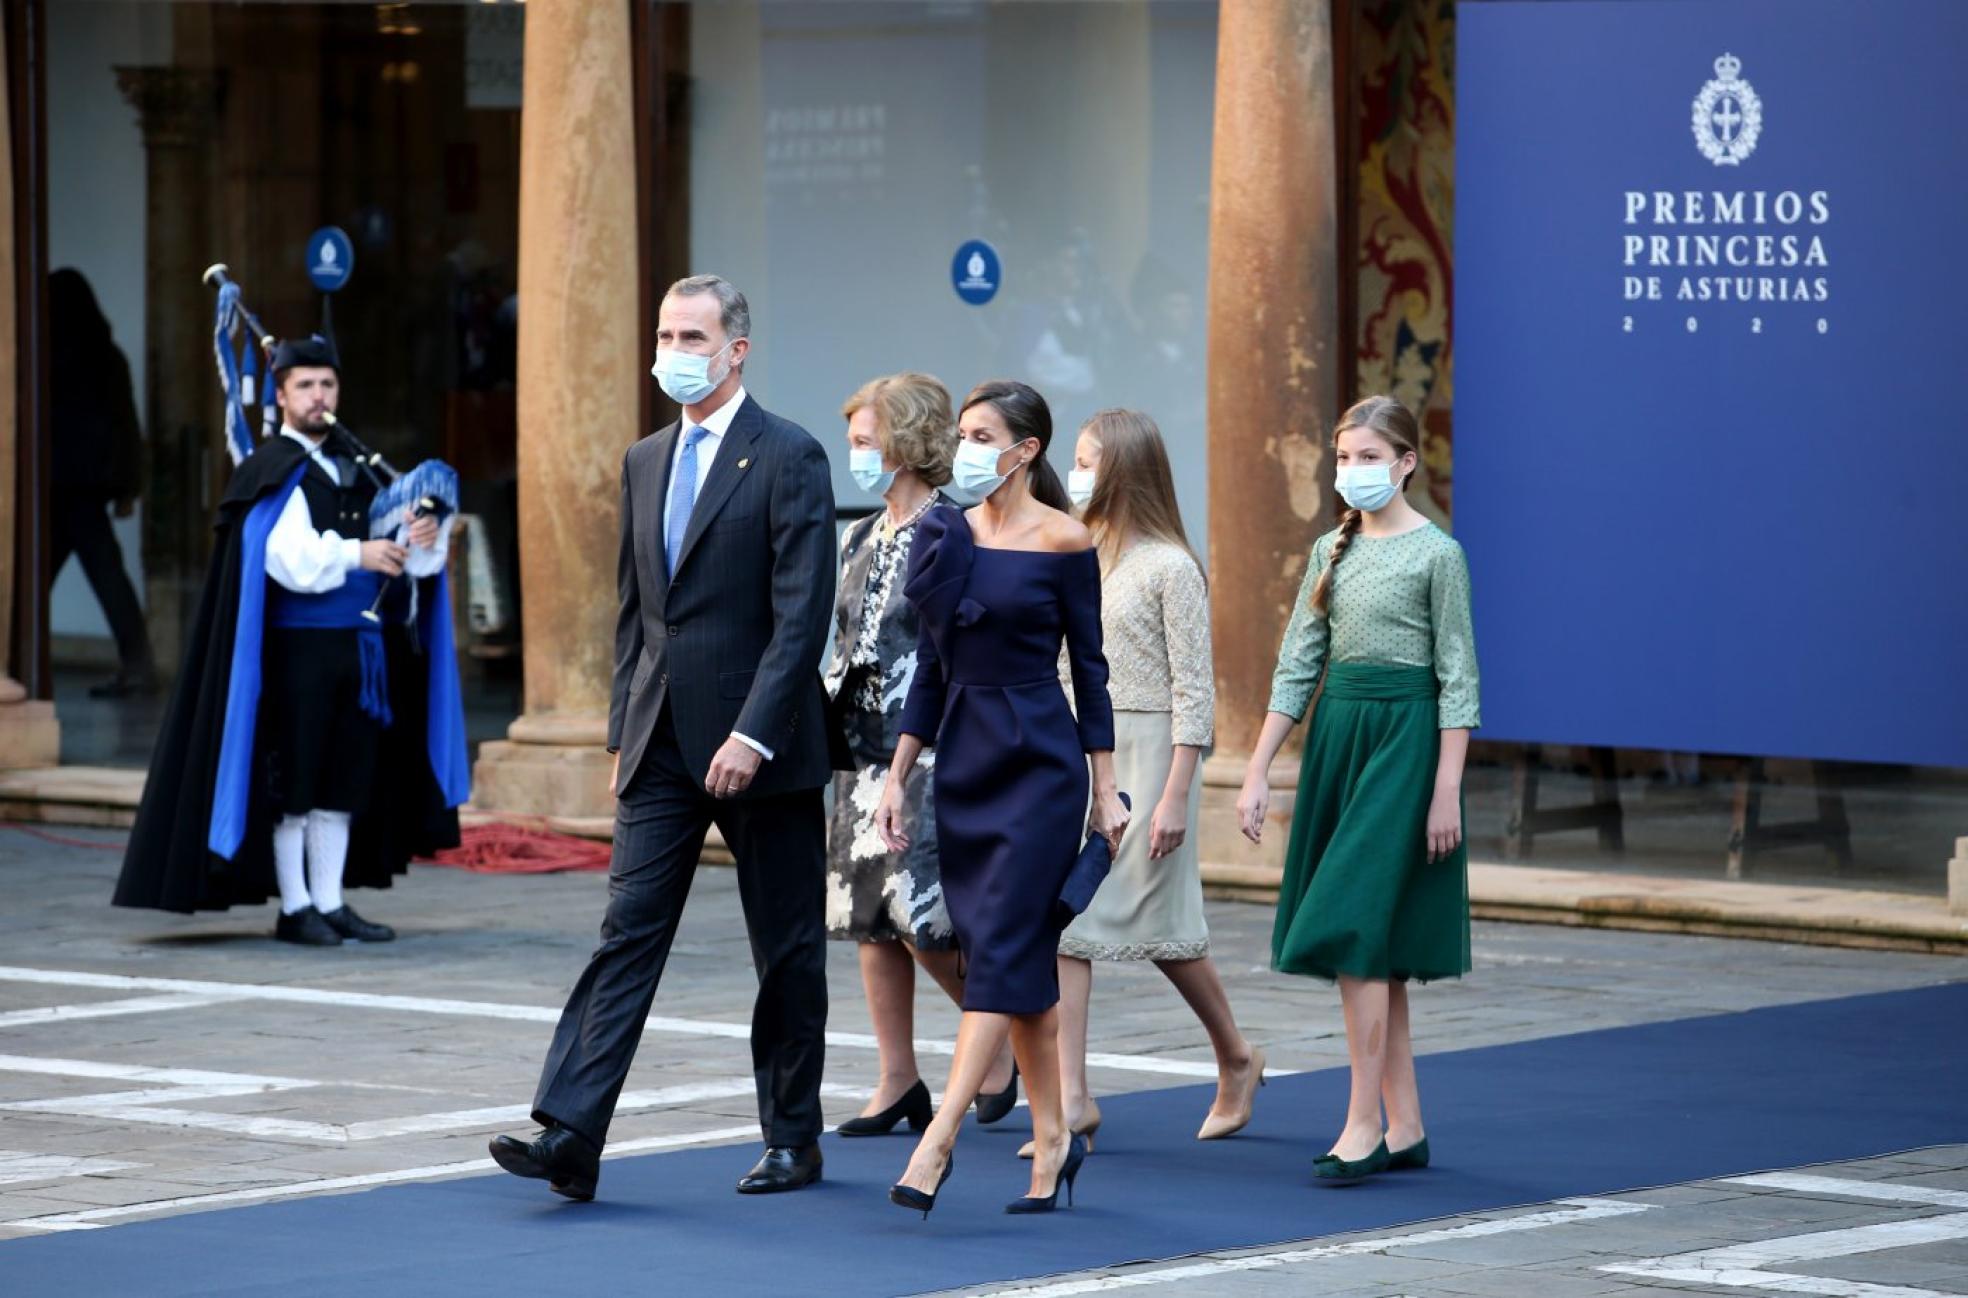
(976, 272)
(330, 258)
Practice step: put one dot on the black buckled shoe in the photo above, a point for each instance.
(306, 927)
(357, 929)
(562, 1158)
(784, 1167)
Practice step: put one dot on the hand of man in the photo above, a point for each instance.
(615, 776)
(732, 769)
(385, 557)
(423, 532)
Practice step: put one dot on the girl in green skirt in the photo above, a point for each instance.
(1376, 887)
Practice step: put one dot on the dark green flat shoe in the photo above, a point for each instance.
(1330, 1169)
(1413, 1157)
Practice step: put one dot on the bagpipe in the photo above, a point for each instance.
(428, 490)
(243, 348)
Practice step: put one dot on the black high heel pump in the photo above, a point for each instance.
(914, 1105)
(907, 1196)
(994, 1106)
(1076, 1153)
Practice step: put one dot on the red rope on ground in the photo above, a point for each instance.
(62, 840)
(510, 848)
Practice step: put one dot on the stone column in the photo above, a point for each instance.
(178, 111)
(11, 690)
(29, 733)
(1274, 379)
(578, 366)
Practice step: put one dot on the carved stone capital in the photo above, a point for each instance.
(176, 107)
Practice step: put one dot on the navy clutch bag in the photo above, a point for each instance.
(1083, 880)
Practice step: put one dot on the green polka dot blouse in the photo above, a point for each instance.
(1395, 599)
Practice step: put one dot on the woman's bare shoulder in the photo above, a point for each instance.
(1061, 533)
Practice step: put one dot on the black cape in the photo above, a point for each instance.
(167, 865)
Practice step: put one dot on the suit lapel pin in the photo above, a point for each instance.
(744, 464)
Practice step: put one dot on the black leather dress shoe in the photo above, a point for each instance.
(306, 927)
(560, 1157)
(784, 1167)
(355, 928)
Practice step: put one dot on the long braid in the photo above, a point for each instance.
(1349, 527)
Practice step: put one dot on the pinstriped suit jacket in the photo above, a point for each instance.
(735, 641)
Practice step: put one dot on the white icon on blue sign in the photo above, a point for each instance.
(330, 258)
(976, 272)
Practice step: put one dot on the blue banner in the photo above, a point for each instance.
(1710, 467)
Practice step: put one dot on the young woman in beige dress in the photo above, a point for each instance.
(1155, 625)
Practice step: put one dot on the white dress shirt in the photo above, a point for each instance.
(715, 426)
(311, 562)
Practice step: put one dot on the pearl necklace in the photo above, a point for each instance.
(890, 527)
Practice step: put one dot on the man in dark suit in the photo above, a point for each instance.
(726, 581)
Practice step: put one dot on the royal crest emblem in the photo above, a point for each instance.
(1727, 115)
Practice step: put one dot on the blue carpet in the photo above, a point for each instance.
(1591, 1113)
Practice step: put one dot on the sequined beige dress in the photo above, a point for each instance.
(1155, 627)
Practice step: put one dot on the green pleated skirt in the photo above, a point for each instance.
(1360, 897)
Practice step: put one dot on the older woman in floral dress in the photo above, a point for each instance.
(901, 437)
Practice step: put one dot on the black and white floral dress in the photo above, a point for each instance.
(874, 895)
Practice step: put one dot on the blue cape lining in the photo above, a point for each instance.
(233, 783)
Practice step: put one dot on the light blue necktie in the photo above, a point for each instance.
(683, 495)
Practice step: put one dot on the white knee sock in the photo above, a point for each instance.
(287, 867)
(327, 853)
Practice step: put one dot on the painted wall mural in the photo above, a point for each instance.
(1405, 52)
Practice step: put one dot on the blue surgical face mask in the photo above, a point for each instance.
(1079, 486)
(975, 474)
(686, 376)
(1366, 487)
(869, 475)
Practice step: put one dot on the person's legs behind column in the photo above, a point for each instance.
(96, 546)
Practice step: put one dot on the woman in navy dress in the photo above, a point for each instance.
(997, 587)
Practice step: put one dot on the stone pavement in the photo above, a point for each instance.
(153, 1064)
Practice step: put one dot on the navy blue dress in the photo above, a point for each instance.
(1011, 766)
